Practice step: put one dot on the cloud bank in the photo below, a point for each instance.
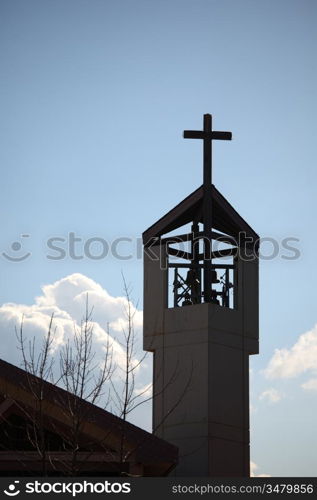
(253, 471)
(300, 359)
(66, 299)
(271, 395)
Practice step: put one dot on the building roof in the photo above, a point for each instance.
(157, 456)
(225, 218)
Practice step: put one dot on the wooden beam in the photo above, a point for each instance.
(214, 266)
(5, 406)
(179, 253)
(218, 254)
(188, 237)
(61, 456)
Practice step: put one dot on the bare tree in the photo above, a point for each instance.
(83, 377)
(124, 395)
(39, 364)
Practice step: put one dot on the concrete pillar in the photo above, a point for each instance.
(201, 373)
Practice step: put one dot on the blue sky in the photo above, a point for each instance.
(94, 98)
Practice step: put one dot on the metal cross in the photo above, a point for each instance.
(208, 135)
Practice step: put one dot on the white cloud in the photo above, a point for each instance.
(271, 395)
(310, 385)
(66, 299)
(145, 391)
(299, 359)
(253, 468)
(69, 294)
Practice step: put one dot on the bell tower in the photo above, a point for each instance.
(201, 323)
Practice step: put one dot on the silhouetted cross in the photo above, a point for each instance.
(208, 135)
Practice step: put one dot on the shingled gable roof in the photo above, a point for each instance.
(225, 218)
(147, 449)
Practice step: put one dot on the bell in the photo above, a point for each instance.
(214, 278)
(214, 298)
(187, 301)
(191, 278)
